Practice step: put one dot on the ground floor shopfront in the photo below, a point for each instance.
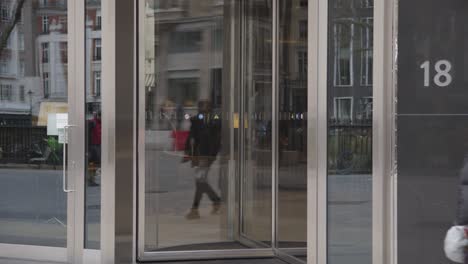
(319, 131)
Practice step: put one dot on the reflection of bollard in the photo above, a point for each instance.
(1, 153)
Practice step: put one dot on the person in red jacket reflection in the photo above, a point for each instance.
(95, 130)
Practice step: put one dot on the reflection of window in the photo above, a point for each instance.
(174, 3)
(22, 68)
(98, 20)
(97, 50)
(367, 3)
(185, 41)
(63, 21)
(45, 52)
(97, 83)
(338, 3)
(45, 24)
(22, 94)
(9, 43)
(20, 19)
(302, 64)
(45, 83)
(3, 66)
(64, 52)
(156, 4)
(184, 90)
(365, 108)
(343, 108)
(343, 53)
(5, 92)
(21, 40)
(303, 29)
(4, 11)
(367, 42)
(217, 39)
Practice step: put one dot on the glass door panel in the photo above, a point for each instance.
(37, 211)
(349, 108)
(189, 126)
(92, 117)
(207, 159)
(256, 146)
(292, 128)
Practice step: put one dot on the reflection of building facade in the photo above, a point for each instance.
(93, 56)
(187, 34)
(294, 53)
(18, 81)
(350, 60)
(51, 23)
(33, 67)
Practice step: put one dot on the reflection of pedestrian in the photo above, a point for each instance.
(94, 148)
(462, 206)
(202, 147)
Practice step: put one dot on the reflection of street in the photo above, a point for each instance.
(33, 207)
(31, 199)
(170, 197)
(350, 219)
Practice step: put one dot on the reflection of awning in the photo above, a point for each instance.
(150, 80)
(50, 108)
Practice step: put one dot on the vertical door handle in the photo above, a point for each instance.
(65, 150)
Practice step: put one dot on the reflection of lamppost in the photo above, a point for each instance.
(30, 102)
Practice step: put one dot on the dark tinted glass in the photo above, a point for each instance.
(349, 100)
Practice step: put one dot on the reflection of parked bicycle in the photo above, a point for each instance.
(42, 159)
(350, 152)
(50, 153)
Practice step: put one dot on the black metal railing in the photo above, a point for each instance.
(350, 148)
(20, 144)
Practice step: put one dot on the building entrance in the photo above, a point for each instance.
(223, 155)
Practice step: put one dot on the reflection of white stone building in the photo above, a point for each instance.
(33, 67)
(93, 56)
(184, 63)
(52, 57)
(19, 85)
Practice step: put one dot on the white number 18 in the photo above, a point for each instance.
(442, 78)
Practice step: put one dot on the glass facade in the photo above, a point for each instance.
(292, 128)
(93, 123)
(33, 113)
(327, 131)
(225, 149)
(349, 127)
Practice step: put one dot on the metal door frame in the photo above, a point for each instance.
(314, 70)
(74, 251)
(384, 198)
(170, 255)
(383, 170)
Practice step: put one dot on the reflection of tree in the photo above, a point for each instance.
(17, 6)
(54, 146)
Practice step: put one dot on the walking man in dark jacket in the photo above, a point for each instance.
(202, 147)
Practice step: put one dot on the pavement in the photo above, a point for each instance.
(33, 208)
